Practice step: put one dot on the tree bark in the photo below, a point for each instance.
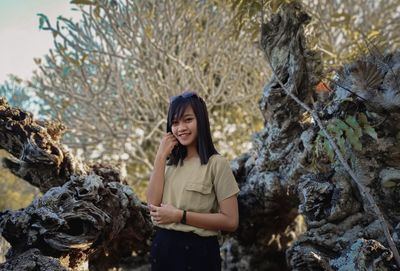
(86, 211)
(281, 173)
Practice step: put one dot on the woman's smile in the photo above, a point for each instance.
(184, 135)
(185, 138)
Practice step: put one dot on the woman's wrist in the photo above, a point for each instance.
(183, 220)
(161, 156)
(179, 215)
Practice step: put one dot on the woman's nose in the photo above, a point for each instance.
(182, 127)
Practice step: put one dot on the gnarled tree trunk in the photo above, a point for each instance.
(291, 169)
(86, 211)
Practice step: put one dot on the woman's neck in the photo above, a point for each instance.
(191, 152)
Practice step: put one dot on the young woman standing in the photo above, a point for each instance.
(192, 193)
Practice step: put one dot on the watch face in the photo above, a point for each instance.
(183, 220)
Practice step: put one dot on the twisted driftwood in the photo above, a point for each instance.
(86, 212)
(285, 180)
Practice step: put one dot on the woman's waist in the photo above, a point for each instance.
(185, 232)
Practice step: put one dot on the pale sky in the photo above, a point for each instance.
(20, 37)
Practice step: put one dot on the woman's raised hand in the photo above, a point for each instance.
(167, 144)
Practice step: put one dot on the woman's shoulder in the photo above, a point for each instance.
(217, 159)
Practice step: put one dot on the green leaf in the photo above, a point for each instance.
(388, 183)
(334, 129)
(342, 145)
(236, 3)
(82, 2)
(373, 34)
(275, 4)
(148, 31)
(97, 11)
(66, 71)
(369, 130)
(351, 120)
(254, 8)
(341, 124)
(83, 58)
(354, 140)
(42, 20)
(363, 119)
(70, 59)
(329, 150)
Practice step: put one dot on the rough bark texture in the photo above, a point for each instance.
(86, 212)
(288, 180)
(286, 172)
(33, 259)
(268, 176)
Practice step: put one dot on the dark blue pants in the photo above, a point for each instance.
(177, 251)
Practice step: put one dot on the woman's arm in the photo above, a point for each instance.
(226, 220)
(155, 188)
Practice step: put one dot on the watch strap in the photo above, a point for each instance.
(183, 220)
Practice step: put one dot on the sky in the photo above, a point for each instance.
(20, 37)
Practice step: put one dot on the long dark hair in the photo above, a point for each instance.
(205, 146)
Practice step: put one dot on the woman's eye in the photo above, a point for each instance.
(188, 120)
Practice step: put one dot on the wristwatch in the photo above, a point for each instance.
(183, 220)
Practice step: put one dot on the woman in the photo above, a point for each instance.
(192, 192)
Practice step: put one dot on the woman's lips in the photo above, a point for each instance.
(184, 135)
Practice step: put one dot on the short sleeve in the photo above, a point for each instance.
(224, 182)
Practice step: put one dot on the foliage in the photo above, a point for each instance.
(109, 77)
(248, 14)
(19, 95)
(343, 31)
(347, 133)
(340, 30)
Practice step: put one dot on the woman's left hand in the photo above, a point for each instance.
(165, 214)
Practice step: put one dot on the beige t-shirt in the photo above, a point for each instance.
(198, 188)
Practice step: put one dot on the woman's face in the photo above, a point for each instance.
(185, 129)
